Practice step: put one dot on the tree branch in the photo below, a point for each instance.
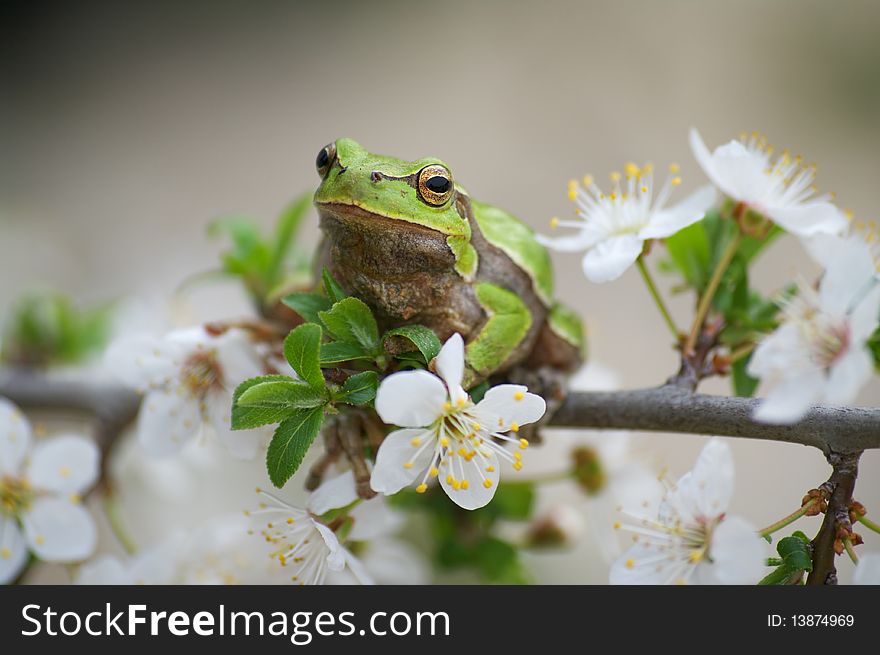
(672, 408)
(840, 487)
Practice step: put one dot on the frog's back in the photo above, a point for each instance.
(517, 240)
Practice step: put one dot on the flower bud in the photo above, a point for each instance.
(561, 526)
(588, 470)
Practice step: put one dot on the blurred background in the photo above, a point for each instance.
(125, 129)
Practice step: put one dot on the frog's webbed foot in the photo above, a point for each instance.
(345, 435)
(546, 381)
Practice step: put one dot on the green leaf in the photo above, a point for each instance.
(286, 228)
(331, 287)
(743, 384)
(777, 576)
(307, 305)
(359, 389)
(795, 553)
(244, 418)
(282, 394)
(302, 348)
(336, 352)
(351, 321)
(421, 337)
(498, 561)
(689, 253)
(514, 500)
(290, 443)
(477, 392)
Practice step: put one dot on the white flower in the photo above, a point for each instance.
(868, 569)
(818, 354)
(445, 434)
(308, 548)
(688, 537)
(782, 190)
(614, 226)
(188, 378)
(40, 487)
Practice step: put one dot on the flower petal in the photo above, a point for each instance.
(15, 437)
(581, 240)
(712, 479)
(358, 570)
(450, 366)
(868, 570)
(143, 361)
(505, 404)
(373, 518)
(335, 551)
(667, 222)
(60, 531)
(642, 565)
(103, 570)
(475, 493)
(333, 493)
(847, 376)
(809, 218)
(13, 550)
(237, 358)
(390, 474)
(849, 270)
(706, 160)
(791, 399)
(610, 258)
(410, 399)
(391, 561)
(167, 421)
(66, 464)
(738, 553)
(241, 444)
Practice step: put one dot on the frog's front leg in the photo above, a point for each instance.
(501, 337)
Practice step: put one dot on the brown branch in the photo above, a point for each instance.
(672, 408)
(840, 486)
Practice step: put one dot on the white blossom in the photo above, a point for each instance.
(445, 434)
(868, 569)
(187, 379)
(780, 189)
(688, 536)
(819, 354)
(40, 495)
(613, 227)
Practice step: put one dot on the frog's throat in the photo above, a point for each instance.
(351, 214)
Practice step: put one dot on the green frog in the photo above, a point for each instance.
(408, 240)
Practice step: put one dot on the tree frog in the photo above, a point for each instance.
(408, 240)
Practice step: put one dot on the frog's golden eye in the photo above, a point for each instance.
(435, 184)
(325, 159)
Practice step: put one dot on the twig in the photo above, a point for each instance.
(845, 470)
(671, 408)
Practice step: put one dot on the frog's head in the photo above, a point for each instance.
(358, 186)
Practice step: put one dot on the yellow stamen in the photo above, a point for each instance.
(487, 483)
(630, 563)
(676, 181)
(433, 472)
(615, 176)
(422, 488)
(517, 465)
(447, 406)
(617, 525)
(514, 427)
(588, 180)
(490, 469)
(631, 170)
(523, 443)
(464, 484)
(415, 441)
(460, 402)
(518, 395)
(407, 465)
(674, 168)
(444, 442)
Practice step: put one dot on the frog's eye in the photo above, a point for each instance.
(435, 184)
(325, 159)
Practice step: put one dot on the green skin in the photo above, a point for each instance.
(454, 266)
